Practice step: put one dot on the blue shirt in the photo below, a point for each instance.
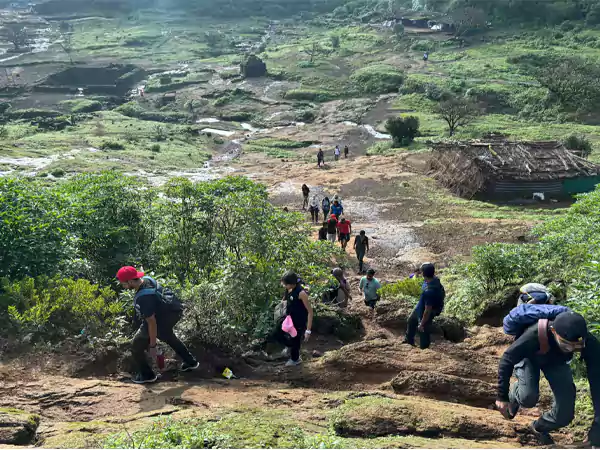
(433, 295)
(337, 210)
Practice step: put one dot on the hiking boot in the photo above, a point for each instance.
(140, 378)
(185, 367)
(543, 437)
(292, 363)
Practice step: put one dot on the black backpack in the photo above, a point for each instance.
(166, 295)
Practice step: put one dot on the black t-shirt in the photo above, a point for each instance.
(332, 226)
(153, 304)
(361, 243)
(323, 234)
(305, 191)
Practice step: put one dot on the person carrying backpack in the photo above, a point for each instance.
(431, 305)
(326, 206)
(547, 336)
(535, 293)
(159, 310)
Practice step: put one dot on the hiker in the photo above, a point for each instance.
(336, 153)
(431, 305)
(299, 309)
(425, 56)
(320, 158)
(361, 247)
(535, 293)
(305, 194)
(346, 152)
(323, 232)
(332, 229)
(368, 287)
(336, 207)
(343, 289)
(314, 210)
(344, 230)
(548, 343)
(326, 206)
(159, 310)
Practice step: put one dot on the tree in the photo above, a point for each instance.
(468, 20)
(66, 39)
(315, 50)
(335, 41)
(16, 34)
(457, 112)
(399, 30)
(212, 38)
(579, 144)
(403, 129)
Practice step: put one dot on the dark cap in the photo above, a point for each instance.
(428, 270)
(371, 272)
(570, 326)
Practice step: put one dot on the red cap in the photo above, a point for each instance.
(128, 273)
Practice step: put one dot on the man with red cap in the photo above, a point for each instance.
(159, 310)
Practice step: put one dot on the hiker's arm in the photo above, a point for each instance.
(524, 347)
(355, 241)
(151, 321)
(426, 316)
(591, 356)
(344, 287)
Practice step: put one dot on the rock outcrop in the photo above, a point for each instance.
(253, 67)
(17, 427)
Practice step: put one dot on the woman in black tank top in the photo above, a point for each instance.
(300, 310)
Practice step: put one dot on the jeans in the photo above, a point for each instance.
(305, 202)
(293, 343)
(526, 392)
(325, 213)
(361, 256)
(413, 325)
(314, 215)
(165, 333)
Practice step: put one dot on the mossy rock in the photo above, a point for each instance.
(17, 427)
(337, 322)
(376, 416)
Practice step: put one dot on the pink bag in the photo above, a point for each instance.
(288, 327)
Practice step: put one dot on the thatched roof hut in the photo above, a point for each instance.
(500, 168)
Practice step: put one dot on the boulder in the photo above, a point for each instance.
(375, 416)
(445, 387)
(498, 307)
(330, 320)
(17, 427)
(253, 67)
(451, 328)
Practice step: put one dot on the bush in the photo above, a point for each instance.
(4, 133)
(58, 173)
(399, 30)
(579, 143)
(378, 79)
(31, 113)
(54, 308)
(160, 134)
(311, 95)
(410, 287)
(112, 145)
(403, 129)
(165, 79)
(335, 41)
(155, 148)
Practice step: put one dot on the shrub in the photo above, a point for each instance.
(54, 308)
(399, 30)
(4, 106)
(378, 79)
(311, 95)
(579, 143)
(4, 133)
(160, 134)
(58, 173)
(112, 145)
(155, 148)
(410, 287)
(87, 106)
(335, 41)
(31, 113)
(403, 129)
(165, 79)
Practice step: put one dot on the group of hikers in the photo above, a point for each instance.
(337, 153)
(546, 335)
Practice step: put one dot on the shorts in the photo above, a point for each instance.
(345, 237)
(331, 237)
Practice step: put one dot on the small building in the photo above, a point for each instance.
(501, 169)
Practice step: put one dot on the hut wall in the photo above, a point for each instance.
(580, 185)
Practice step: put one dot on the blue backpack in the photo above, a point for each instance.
(166, 295)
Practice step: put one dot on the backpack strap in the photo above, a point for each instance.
(543, 336)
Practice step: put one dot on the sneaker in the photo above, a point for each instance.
(185, 367)
(543, 437)
(406, 341)
(139, 378)
(292, 363)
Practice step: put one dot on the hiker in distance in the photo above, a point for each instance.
(305, 194)
(326, 206)
(548, 345)
(431, 305)
(320, 158)
(361, 247)
(159, 309)
(299, 309)
(314, 210)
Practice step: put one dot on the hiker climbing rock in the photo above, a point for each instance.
(159, 310)
(369, 287)
(305, 194)
(299, 312)
(547, 338)
(431, 305)
(361, 247)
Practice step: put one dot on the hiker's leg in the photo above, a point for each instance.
(560, 378)
(526, 391)
(361, 257)
(425, 336)
(139, 345)
(411, 326)
(167, 335)
(295, 344)
(316, 216)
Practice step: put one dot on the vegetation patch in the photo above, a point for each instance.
(378, 79)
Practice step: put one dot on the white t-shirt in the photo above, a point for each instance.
(337, 151)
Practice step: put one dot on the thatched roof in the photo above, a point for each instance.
(466, 167)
